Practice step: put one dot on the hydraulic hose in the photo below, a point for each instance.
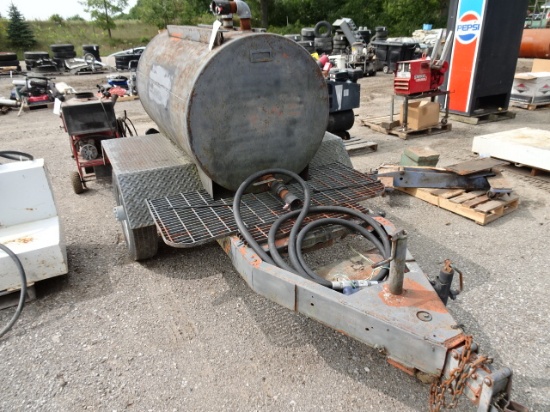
(237, 207)
(297, 235)
(23, 291)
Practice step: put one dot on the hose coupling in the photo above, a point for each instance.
(291, 201)
(355, 284)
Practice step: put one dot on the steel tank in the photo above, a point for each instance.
(254, 101)
(535, 43)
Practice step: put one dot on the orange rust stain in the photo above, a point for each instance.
(255, 260)
(455, 341)
(400, 366)
(26, 239)
(415, 295)
(226, 246)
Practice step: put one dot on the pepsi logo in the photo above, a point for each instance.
(468, 27)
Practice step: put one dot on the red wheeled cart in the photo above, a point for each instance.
(88, 122)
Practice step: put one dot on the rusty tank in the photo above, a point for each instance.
(535, 43)
(235, 101)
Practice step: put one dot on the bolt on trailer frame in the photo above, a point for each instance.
(158, 188)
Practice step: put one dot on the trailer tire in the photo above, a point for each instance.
(7, 56)
(36, 55)
(386, 69)
(319, 26)
(308, 32)
(142, 242)
(78, 187)
(9, 63)
(61, 48)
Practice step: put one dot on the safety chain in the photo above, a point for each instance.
(458, 377)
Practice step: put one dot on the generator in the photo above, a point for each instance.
(243, 159)
(418, 76)
(423, 75)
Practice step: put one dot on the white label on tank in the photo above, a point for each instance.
(160, 84)
(338, 92)
(346, 93)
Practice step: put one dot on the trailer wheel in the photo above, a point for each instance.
(386, 69)
(142, 243)
(78, 187)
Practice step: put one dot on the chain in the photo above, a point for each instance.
(457, 379)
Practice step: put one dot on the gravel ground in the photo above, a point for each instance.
(182, 331)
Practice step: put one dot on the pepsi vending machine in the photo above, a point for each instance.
(487, 36)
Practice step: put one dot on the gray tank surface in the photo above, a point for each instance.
(255, 101)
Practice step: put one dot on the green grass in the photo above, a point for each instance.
(128, 33)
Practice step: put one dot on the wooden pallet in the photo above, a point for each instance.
(123, 98)
(127, 98)
(530, 106)
(474, 205)
(383, 125)
(357, 145)
(483, 118)
(8, 69)
(10, 297)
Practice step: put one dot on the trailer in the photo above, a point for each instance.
(243, 159)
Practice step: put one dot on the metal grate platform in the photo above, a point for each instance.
(193, 218)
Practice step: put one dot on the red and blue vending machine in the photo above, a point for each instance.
(487, 36)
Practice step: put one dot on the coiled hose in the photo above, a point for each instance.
(23, 289)
(15, 155)
(378, 237)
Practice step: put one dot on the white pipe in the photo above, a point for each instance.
(243, 11)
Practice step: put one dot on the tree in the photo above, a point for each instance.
(409, 15)
(20, 34)
(76, 17)
(160, 12)
(102, 12)
(57, 19)
(164, 12)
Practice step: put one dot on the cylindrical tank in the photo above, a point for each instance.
(535, 43)
(256, 101)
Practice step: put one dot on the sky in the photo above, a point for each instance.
(43, 9)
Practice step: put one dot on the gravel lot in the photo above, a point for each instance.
(183, 332)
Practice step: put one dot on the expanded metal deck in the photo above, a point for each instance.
(193, 218)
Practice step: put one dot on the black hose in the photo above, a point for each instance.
(15, 155)
(297, 262)
(237, 207)
(23, 289)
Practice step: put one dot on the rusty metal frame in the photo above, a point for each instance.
(414, 330)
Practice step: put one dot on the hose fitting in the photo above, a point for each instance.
(240, 8)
